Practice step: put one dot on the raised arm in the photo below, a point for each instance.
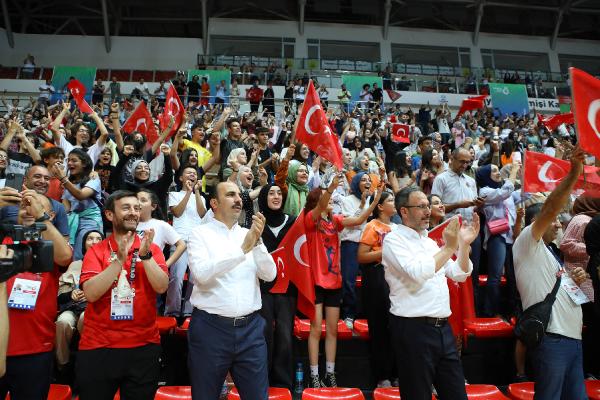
(163, 135)
(559, 196)
(31, 150)
(218, 126)
(175, 146)
(13, 127)
(116, 125)
(362, 217)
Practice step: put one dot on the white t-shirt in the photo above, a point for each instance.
(163, 232)
(190, 218)
(535, 272)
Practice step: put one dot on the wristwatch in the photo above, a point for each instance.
(43, 218)
(146, 256)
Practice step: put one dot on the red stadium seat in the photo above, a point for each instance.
(274, 394)
(593, 389)
(333, 393)
(456, 318)
(480, 327)
(102, 74)
(359, 281)
(57, 392)
(164, 76)
(166, 324)
(47, 73)
(174, 393)
(302, 329)
(484, 392)
(183, 329)
(8, 72)
(120, 74)
(483, 280)
(521, 391)
(389, 393)
(361, 328)
(145, 75)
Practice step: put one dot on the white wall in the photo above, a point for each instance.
(176, 53)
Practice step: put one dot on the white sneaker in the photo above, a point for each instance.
(384, 383)
(349, 323)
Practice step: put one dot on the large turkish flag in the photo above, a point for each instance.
(585, 91)
(174, 108)
(314, 131)
(78, 92)
(141, 121)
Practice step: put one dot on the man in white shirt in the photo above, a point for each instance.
(46, 90)
(416, 270)
(226, 331)
(188, 208)
(558, 359)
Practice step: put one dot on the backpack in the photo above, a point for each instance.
(532, 324)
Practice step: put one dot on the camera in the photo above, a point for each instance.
(31, 252)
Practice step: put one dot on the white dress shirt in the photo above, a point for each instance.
(453, 188)
(225, 279)
(416, 289)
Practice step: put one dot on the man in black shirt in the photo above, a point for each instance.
(377, 96)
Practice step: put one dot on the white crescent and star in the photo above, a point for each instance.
(543, 173)
(141, 121)
(172, 100)
(309, 114)
(297, 246)
(592, 112)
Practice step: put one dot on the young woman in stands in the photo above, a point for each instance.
(376, 290)
(322, 233)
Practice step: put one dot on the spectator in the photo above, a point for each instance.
(269, 100)
(141, 91)
(115, 90)
(28, 67)
(221, 93)
(323, 96)
(204, 92)
(98, 92)
(46, 90)
(120, 345)
(254, 95)
(228, 334)
(161, 93)
(438, 211)
(557, 360)
(344, 98)
(31, 318)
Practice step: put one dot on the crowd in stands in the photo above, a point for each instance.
(137, 220)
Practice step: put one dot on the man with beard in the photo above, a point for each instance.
(121, 276)
(227, 331)
(233, 141)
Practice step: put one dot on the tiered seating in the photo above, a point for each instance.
(483, 280)
(521, 391)
(120, 74)
(484, 392)
(361, 328)
(332, 393)
(183, 329)
(57, 392)
(102, 74)
(166, 324)
(163, 75)
(480, 327)
(593, 389)
(136, 75)
(274, 394)
(390, 393)
(174, 393)
(302, 329)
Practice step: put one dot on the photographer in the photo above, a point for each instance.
(32, 313)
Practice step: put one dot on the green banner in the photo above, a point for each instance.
(355, 84)
(509, 98)
(62, 75)
(564, 104)
(214, 78)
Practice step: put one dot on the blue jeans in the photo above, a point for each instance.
(349, 267)
(496, 255)
(175, 288)
(558, 365)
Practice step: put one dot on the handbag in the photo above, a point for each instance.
(499, 226)
(532, 324)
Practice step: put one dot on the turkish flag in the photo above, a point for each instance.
(436, 234)
(78, 92)
(553, 122)
(313, 129)
(290, 258)
(542, 173)
(141, 121)
(174, 108)
(585, 90)
(393, 94)
(401, 133)
(472, 103)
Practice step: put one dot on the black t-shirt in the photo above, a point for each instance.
(377, 94)
(104, 172)
(193, 88)
(18, 163)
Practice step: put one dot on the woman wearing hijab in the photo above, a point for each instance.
(292, 179)
(499, 205)
(580, 247)
(278, 297)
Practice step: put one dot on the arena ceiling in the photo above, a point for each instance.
(578, 19)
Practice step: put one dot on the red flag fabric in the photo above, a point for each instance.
(313, 129)
(472, 103)
(436, 234)
(141, 121)
(542, 173)
(553, 122)
(393, 94)
(585, 91)
(290, 258)
(174, 108)
(78, 92)
(401, 133)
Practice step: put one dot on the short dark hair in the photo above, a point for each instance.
(197, 125)
(403, 196)
(52, 151)
(383, 198)
(532, 212)
(231, 121)
(262, 130)
(458, 150)
(423, 139)
(117, 195)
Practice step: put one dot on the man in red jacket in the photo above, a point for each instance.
(254, 95)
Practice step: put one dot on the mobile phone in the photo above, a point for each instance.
(14, 181)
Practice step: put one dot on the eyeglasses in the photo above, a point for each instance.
(421, 206)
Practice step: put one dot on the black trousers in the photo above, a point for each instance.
(426, 355)
(134, 372)
(27, 377)
(278, 310)
(216, 346)
(376, 298)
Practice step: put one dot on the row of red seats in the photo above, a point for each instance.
(122, 75)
